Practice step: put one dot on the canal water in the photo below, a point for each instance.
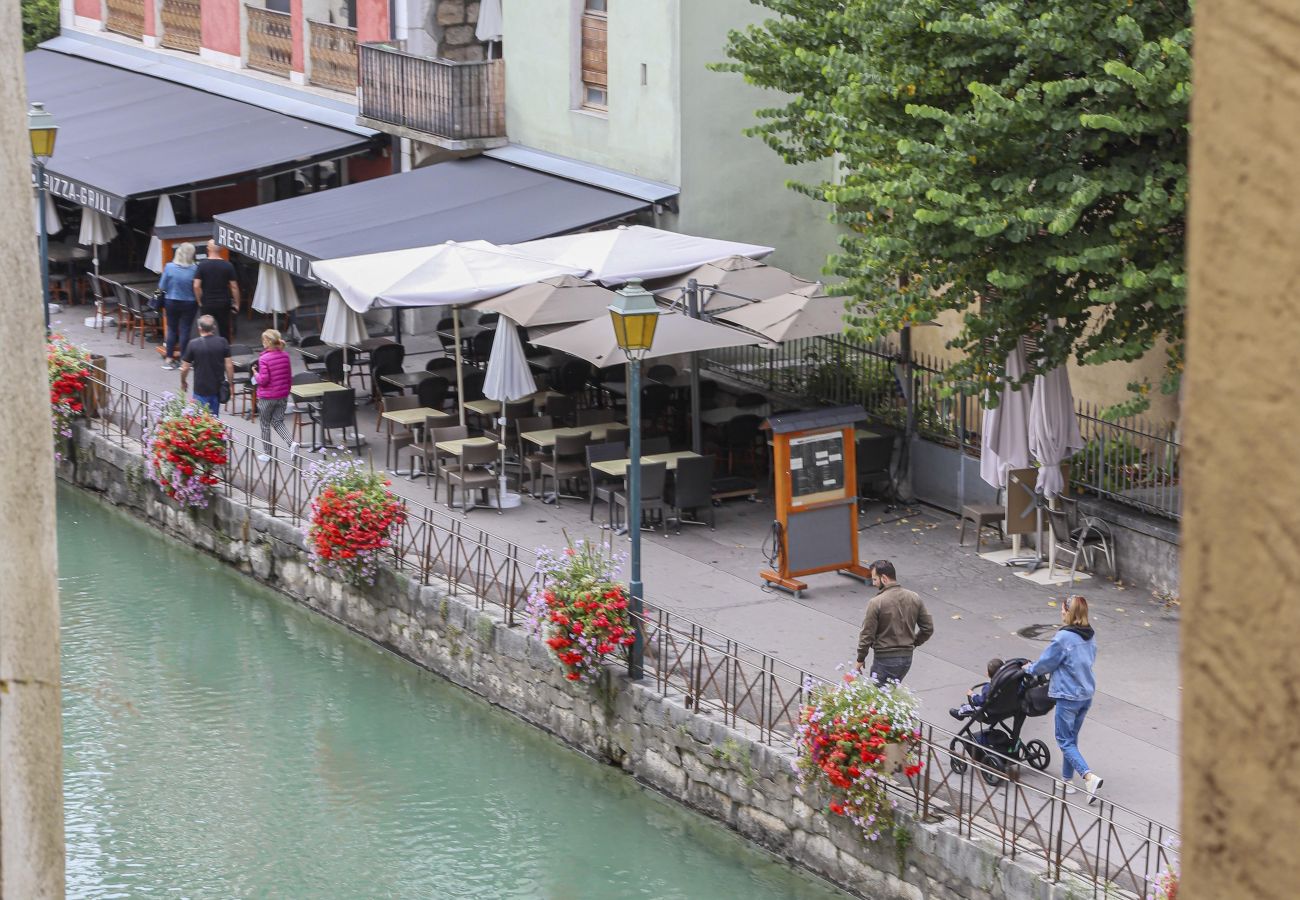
(221, 742)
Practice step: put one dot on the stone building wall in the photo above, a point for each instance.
(691, 757)
(454, 22)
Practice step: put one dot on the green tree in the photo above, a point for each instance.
(40, 22)
(1020, 160)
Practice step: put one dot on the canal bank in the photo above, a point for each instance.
(725, 772)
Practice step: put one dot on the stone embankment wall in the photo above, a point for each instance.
(718, 770)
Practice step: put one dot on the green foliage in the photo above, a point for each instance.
(1029, 155)
(40, 22)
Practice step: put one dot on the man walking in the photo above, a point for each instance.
(896, 623)
(209, 356)
(216, 287)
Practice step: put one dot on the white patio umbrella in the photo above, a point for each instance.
(508, 378)
(551, 301)
(1053, 429)
(722, 281)
(164, 217)
(53, 224)
(343, 325)
(676, 333)
(1004, 441)
(96, 229)
(804, 312)
(635, 251)
(488, 29)
(274, 293)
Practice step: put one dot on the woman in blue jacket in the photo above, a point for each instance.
(1069, 659)
(180, 305)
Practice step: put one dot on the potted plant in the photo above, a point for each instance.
(353, 520)
(185, 446)
(851, 737)
(69, 371)
(581, 608)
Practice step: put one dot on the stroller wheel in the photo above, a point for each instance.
(957, 756)
(1035, 753)
(992, 777)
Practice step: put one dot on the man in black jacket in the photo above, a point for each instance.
(896, 623)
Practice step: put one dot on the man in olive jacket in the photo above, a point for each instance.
(896, 623)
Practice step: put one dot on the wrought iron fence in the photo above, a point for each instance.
(1132, 461)
(1029, 815)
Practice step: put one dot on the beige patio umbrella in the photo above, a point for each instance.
(552, 301)
(803, 312)
(728, 283)
(676, 333)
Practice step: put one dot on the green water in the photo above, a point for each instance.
(220, 742)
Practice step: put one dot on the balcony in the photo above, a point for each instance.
(126, 17)
(333, 51)
(455, 105)
(270, 40)
(182, 28)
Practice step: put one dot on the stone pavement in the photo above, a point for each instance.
(979, 608)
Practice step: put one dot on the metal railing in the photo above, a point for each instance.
(457, 101)
(1132, 461)
(126, 17)
(270, 40)
(182, 25)
(1027, 813)
(333, 55)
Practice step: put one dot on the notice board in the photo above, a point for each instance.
(817, 471)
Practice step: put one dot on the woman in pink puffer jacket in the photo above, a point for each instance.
(274, 381)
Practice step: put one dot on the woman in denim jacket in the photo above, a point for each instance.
(180, 304)
(1069, 659)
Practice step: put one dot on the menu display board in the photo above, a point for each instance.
(817, 467)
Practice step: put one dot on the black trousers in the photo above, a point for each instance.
(221, 311)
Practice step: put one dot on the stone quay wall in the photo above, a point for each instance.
(688, 756)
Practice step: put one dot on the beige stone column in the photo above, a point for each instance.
(31, 755)
(1241, 528)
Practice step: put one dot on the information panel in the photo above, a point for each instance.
(817, 467)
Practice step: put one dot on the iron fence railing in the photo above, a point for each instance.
(1105, 846)
(1132, 461)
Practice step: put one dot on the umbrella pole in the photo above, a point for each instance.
(693, 310)
(460, 374)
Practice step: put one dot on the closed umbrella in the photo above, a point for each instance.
(730, 282)
(551, 301)
(803, 312)
(53, 224)
(488, 29)
(1053, 429)
(508, 378)
(343, 325)
(1004, 441)
(163, 217)
(275, 293)
(96, 229)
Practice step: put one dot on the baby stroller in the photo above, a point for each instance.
(1013, 696)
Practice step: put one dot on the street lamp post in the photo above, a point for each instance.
(42, 131)
(635, 315)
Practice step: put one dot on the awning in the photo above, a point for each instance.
(124, 135)
(459, 200)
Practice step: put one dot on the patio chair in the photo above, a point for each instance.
(659, 443)
(307, 343)
(661, 372)
(568, 462)
(386, 360)
(1082, 541)
(338, 409)
(444, 334)
(480, 348)
(334, 366)
(472, 472)
(441, 364)
(241, 389)
(653, 479)
(432, 392)
(602, 485)
(431, 458)
(301, 412)
(530, 461)
(691, 490)
(618, 434)
(143, 319)
(562, 408)
(399, 436)
(514, 411)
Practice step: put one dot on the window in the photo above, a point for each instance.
(595, 60)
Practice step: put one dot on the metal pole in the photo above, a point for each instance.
(903, 484)
(636, 663)
(397, 324)
(45, 241)
(460, 365)
(693, 310)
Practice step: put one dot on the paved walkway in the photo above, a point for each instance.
(711, 577)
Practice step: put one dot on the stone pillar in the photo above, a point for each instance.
(1241, 527)
(455, 21)
(31, 753)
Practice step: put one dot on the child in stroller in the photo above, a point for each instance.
(1010, 697)
(976, 696)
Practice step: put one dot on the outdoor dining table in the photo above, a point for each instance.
(244, 361)
(546, 437)
(136, 276)
(312, 393)
(487, 408)
(467, 335)
(455, 447)
(405, 380)
(409, 418)
(617, 468)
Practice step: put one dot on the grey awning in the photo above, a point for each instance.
(459, 200)
(124, 135)
(586, 173)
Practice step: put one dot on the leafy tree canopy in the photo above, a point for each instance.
(40, 22)
(1019, 160)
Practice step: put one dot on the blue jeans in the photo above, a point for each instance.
(1069, 720)
(180, 322)
(212, 402)
(891, 668)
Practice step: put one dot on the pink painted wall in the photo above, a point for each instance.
(372, 20)
(296, 21)
(221, 26)
(150, 18)
(89, 9)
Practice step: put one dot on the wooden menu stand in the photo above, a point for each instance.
(816, 489)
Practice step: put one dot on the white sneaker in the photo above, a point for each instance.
(170, 366)
(293, 448)
(1070, 788)
(263, 457)
(1092, 783)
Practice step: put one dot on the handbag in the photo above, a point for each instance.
(157, 300)
(223, 392)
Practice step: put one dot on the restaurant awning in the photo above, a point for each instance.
(459, 200)
(125, 135)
